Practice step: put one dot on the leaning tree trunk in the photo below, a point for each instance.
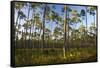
(16, 24)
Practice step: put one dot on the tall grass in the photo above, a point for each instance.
(54, 55)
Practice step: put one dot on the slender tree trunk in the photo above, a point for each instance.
(23, 46)
(75, 36)
(33, 36)
(40, 34)
(65, 21)
(28, 19)
(39, 37)
(86, 20)
(17, 17)
(51, 43)
(25, 37)
(22, 40)
(44, 17)
(18, 32)
(30, 37)
(16, 24)
(94, 23)
(86, 28)
(68, 30)
(27, 42)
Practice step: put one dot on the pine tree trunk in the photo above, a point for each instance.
(27, 42)
(65, 16)
(44, 18)
(94, 23)
(86, 28)
(16, 24)
(86, 20)
(68, 30)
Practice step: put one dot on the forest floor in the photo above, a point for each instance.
(36, 56)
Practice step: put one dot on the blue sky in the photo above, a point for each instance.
(58, 9)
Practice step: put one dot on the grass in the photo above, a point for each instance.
(36, 56)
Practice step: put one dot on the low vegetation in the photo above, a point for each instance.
(37, 56)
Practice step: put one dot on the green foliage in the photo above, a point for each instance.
(19, 5)
(91, 10)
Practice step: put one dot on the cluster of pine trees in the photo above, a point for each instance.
(51, 26)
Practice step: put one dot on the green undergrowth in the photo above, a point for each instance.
(37, 56)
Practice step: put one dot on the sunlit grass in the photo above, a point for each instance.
(36, 56)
